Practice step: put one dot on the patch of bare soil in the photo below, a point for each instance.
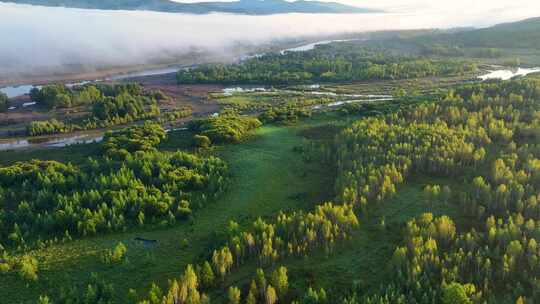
(194, 96)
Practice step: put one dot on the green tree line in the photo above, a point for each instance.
(333, 63)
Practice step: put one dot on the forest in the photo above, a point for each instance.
(521, 35)
(325, 63)
(484, 135)
(476, 146)
(225, 128)
(130, 184)
(109, 105)
(481, 135)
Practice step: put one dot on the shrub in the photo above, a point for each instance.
(228, 128)
(47, 127)
(201, 141)
(137, 138)
(4, 102)
(28, 268)
(116, 255)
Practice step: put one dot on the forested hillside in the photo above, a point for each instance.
(522, 34)
(388, 56)
(508, 42)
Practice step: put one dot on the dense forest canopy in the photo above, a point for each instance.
(477, 145)
(334, 62)
(482, 133)
(485, 134)
(62, 96)
(108, 104)
(138, 186)
(225, 128)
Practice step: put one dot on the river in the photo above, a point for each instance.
(19, 90)
(507, 74)
(50, 142)
(311, 46)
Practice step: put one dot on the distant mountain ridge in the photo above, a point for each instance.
(520, 34)
(525, 33)
(249, 7)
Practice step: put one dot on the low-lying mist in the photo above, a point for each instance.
(43, 41)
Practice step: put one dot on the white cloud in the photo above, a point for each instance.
(44, 40)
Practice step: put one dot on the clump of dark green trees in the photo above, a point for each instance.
(225, 128)
(131, 184)
(4, 102)
(108, 104)
(330, 63)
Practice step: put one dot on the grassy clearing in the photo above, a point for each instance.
(268, 176)
(362, 261)
(74, 154)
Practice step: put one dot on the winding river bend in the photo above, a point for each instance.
(19, 90)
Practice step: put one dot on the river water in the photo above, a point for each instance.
(311, 46)
(50, 142)
(507, 74)
(15, 91)
(19, 90)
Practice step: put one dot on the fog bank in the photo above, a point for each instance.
(42, 40)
